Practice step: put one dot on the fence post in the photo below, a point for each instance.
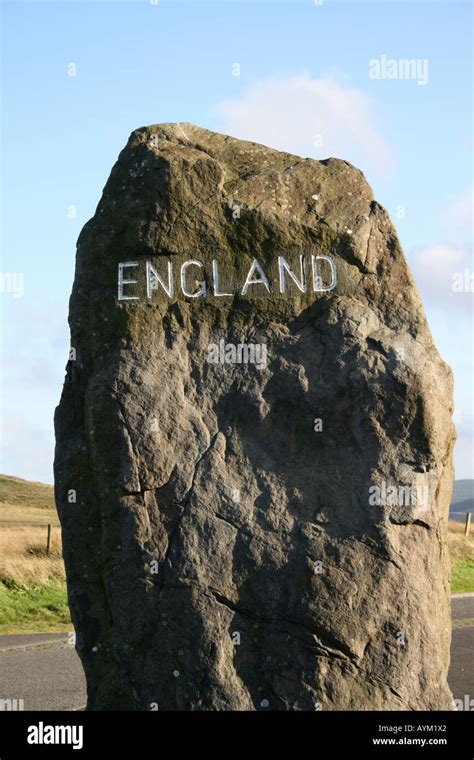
(468, 522)
(48, 542)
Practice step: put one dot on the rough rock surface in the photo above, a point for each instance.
(222, 551)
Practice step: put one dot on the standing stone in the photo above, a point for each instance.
(263, 534)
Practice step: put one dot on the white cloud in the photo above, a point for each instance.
(438, 270)
(461, 213)
(290, 114)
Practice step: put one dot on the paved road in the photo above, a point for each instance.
(461, 671)
(44, 670)
(462, 609)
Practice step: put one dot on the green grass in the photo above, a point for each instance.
(462, 577)
(35, 609)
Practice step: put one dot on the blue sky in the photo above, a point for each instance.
(304, 86)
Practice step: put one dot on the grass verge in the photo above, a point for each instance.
(33, 597)
(463, 577)
(34, 609)
(461, 550)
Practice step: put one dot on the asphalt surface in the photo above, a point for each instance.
(44, 669)
(461, 671)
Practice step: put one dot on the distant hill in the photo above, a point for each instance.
(25, 500)
(462, 500)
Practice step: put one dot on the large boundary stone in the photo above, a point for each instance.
(253, 462)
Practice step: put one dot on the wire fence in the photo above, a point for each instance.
(31, 523)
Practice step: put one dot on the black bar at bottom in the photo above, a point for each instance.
(224, 734)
